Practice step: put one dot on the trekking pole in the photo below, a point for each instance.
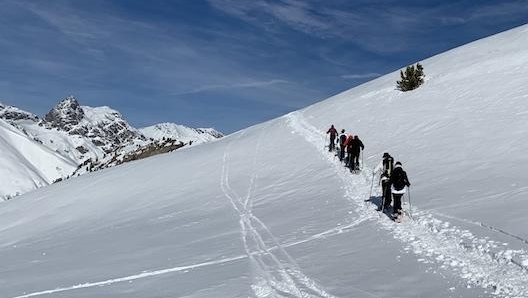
(410, 206)
(371, 184)
(382, 202)
(362, 159)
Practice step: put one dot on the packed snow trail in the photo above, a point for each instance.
(480, 261)
(275, 273)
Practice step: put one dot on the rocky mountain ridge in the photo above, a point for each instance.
(93, 138)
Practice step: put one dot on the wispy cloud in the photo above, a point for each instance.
(360, 76)
(503, 9)
(299, 15)
(375, 27)
(254, 84)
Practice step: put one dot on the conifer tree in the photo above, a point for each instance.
(411, 79)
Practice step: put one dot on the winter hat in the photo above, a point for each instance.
(398, 163)
(386, 154)
(343, 130)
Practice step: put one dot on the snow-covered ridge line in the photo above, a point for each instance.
(85, 138)
(482, 262)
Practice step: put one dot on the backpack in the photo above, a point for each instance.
(342, 139)
(398, 179)
(388, 165)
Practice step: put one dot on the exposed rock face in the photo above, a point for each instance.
(11, 114)
(65, 115)
(104, 126)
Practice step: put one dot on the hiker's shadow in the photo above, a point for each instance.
(378, 202)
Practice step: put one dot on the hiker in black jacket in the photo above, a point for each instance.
(399, 181)
(356, 147)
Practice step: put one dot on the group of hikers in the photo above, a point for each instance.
(350, 144)
(393, 179)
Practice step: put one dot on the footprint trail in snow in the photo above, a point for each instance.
(481, 262)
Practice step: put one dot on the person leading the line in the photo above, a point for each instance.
(333, 133)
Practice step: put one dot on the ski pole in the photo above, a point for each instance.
(382, 200)
(410, 206)
(362, 159)
(371, 184)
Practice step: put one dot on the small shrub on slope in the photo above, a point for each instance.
(411, 79)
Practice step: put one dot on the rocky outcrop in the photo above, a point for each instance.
(104, 126)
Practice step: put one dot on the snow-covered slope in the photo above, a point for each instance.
(180, 132)
(26, 164)
(268, 212)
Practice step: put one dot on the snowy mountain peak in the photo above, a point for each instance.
(104, 126)
(66, 114)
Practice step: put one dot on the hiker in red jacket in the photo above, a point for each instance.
(333, 134)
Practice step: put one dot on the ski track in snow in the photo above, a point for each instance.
(480, 261)
(274, 272)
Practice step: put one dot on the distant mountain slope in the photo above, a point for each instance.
(86, 138)
(180, 132)
(26, 164)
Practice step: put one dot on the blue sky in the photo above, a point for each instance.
(226, 64)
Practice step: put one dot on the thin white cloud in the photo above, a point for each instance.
(296, 14)
(254, 84)
(361, 76)
(500, 10)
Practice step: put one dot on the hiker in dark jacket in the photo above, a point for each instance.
(356, 147)
(333, 133)
(399, 181)
(342, 139)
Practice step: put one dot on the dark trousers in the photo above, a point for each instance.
(397, 208)
(348, 159)
(331, 146)
(341, 153)
(354, 160)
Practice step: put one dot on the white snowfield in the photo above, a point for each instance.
(269, 212)
(26, 164)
